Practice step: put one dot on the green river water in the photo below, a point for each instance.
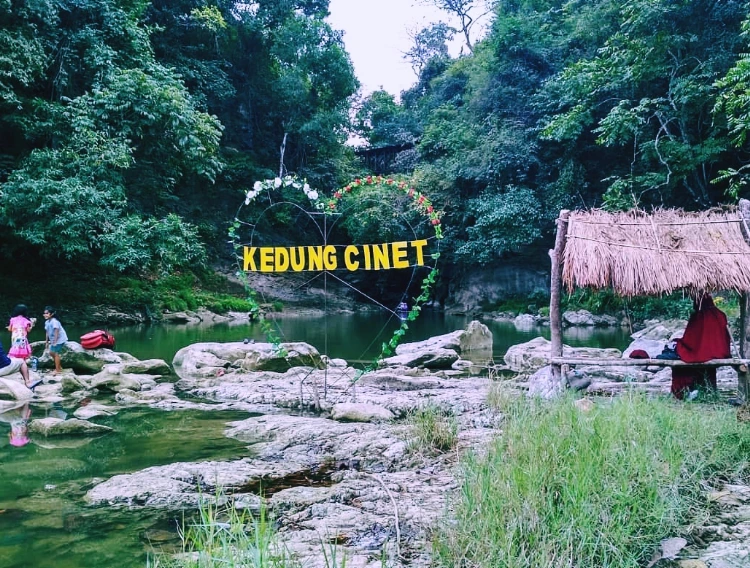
(44, 521)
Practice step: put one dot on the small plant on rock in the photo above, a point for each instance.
(433, 430)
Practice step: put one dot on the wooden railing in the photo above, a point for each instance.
(742, 366)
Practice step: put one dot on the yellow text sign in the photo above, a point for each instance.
(386, 256)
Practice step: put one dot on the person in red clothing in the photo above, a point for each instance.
(706, 337)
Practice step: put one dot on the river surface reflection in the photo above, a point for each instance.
(354, 337)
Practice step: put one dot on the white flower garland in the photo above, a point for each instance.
(276, 183)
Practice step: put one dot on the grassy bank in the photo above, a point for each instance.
(75, 290)
(224, 536)
(563, 487)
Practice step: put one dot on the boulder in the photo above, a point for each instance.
(72, 383)
(535, 354)
(651, 346)
(179, 485)
(202, 360)
(115, 382)
(14, 389)
(360, 412)
(578, 318)
(476, 337)
(107, 315)
(94, 410)
(180, 317)
(334, 363)
(584, 318)
(131, 375)
(297, 354)
(524, 321)
(623, 374)
(606, 321)
(163, 392)
(146, 367)
(543, 384)
(661, 330)
(435, 358)
(80, 360)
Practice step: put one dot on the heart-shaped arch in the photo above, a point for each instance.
(333, 206)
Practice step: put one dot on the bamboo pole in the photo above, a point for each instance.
(743, 343)
(627, 362)
(555, 315)
(743, 377)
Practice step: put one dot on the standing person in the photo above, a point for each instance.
(56, 336)
(10, 365)
(19, 327)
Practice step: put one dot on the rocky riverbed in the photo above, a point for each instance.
(333, 453)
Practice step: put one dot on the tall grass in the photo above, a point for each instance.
(566, 488)
(223, 536)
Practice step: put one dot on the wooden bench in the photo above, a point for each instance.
(742, 366)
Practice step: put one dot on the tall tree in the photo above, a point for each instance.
(277, 70)
(383, 122)
(733, 108)
(429, 43)
(468, 12)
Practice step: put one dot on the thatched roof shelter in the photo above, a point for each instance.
(638, 253)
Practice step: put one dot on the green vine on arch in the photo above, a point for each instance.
(422, 204)
(418, 200)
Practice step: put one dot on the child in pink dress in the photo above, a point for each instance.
(19, 327)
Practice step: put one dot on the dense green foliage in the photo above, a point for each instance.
(637, 309)
(130, 129)
(78, 289)
(575, 104)
(568, 487)
(123, 121)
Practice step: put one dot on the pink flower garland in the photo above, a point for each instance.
(419, 200)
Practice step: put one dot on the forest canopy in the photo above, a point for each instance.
(131, 129)
(574, 104)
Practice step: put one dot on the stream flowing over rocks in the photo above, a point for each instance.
(332, 453)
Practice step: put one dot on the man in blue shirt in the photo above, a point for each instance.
(10, 365)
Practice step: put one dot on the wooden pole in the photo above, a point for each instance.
(555, 315)
(743, 343)
(743, 379)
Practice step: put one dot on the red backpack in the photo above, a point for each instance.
(96, 339)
